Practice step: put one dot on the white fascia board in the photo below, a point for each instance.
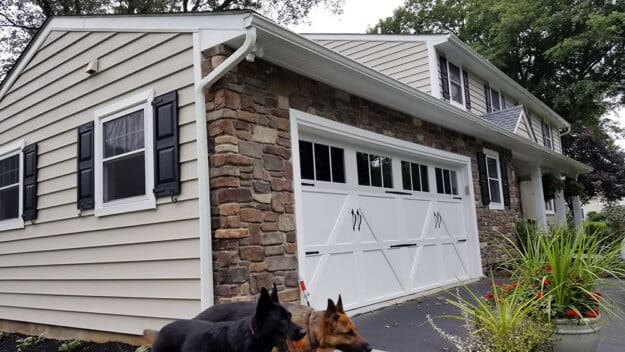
(435, 38)
(518, 92)
(293, 52)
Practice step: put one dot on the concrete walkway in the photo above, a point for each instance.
(403, 327)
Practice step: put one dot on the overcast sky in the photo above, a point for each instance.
(358, 15)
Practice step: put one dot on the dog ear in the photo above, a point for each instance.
(264, 302)
(274, 294)
(339, 305)
(331, 307)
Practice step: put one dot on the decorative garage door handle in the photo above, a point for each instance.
(438, 219)
(354, 218)
(359, 213)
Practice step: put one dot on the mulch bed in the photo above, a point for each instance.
(8, 344)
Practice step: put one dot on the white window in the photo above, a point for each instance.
(124, 156)
(547, 135)
(456, 92)
(495, 99)
(494, 179)
(11, 162)
(550, 206)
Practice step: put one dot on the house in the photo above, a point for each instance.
(155, 165)
(598, 205)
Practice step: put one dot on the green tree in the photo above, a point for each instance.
(570, 54)
(20, 19)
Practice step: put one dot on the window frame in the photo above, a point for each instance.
(494, 205)
(8, 151)
(330, 159)
(546, 127)
(140, 101)
(500, 94)
(551, 211)
(451, 100)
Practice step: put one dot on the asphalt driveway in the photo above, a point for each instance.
(403, 327)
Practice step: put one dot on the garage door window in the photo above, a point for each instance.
(414, 177)
(374, 170)
(321, 162)
(446, 181)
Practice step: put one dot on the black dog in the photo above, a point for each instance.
(268, 327)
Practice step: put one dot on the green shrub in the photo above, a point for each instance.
(27, 342)
(3, 335)
(143, 348)
(615, 217)
(595, 216)
(69, 346)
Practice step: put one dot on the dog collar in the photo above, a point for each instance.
(314, 344)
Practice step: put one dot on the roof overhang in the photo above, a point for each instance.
(292, 51)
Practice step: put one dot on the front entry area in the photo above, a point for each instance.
(379, 218)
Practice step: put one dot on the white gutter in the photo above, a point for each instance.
(201, 84)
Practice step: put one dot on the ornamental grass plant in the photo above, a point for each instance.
(567, 267)
(504, 320)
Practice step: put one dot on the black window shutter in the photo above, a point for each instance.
(29, 210)
(85, 180)
(481, 168)
(503, 102)
(505, 185)
(444, 77)
(467, 93)
(489, 107)
(166, 151)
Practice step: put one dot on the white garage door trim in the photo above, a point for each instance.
(308, 124)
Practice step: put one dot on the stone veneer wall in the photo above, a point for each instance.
(251, 175)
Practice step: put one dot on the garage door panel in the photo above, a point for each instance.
(417, 218)
(373, 241)
(425, 270)
(331, 277)
(325, 218)
(455, 263)
(379, 219)
(452, 218)
(382, 270)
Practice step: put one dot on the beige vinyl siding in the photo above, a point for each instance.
(476, 88)
(557, 143)
(405, 61)
(523, 130)
(120, 273)
(537, 127)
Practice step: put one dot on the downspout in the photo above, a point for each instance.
(201, 84)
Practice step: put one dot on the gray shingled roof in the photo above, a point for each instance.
(506, 118)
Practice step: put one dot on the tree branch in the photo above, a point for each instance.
(16, 25)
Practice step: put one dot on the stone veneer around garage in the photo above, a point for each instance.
(251, 175)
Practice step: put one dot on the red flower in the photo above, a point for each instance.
(507, 287)
(593, 313)
(546, 281)
(489, 296)
(515, 284)
(595, 295)
(534, 286)
(572, 313)
(539, 295)
(548, 267)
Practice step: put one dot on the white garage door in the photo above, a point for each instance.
(378, 223)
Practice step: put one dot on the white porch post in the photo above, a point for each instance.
(539, 198)
(577, 212)
(560, 206)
